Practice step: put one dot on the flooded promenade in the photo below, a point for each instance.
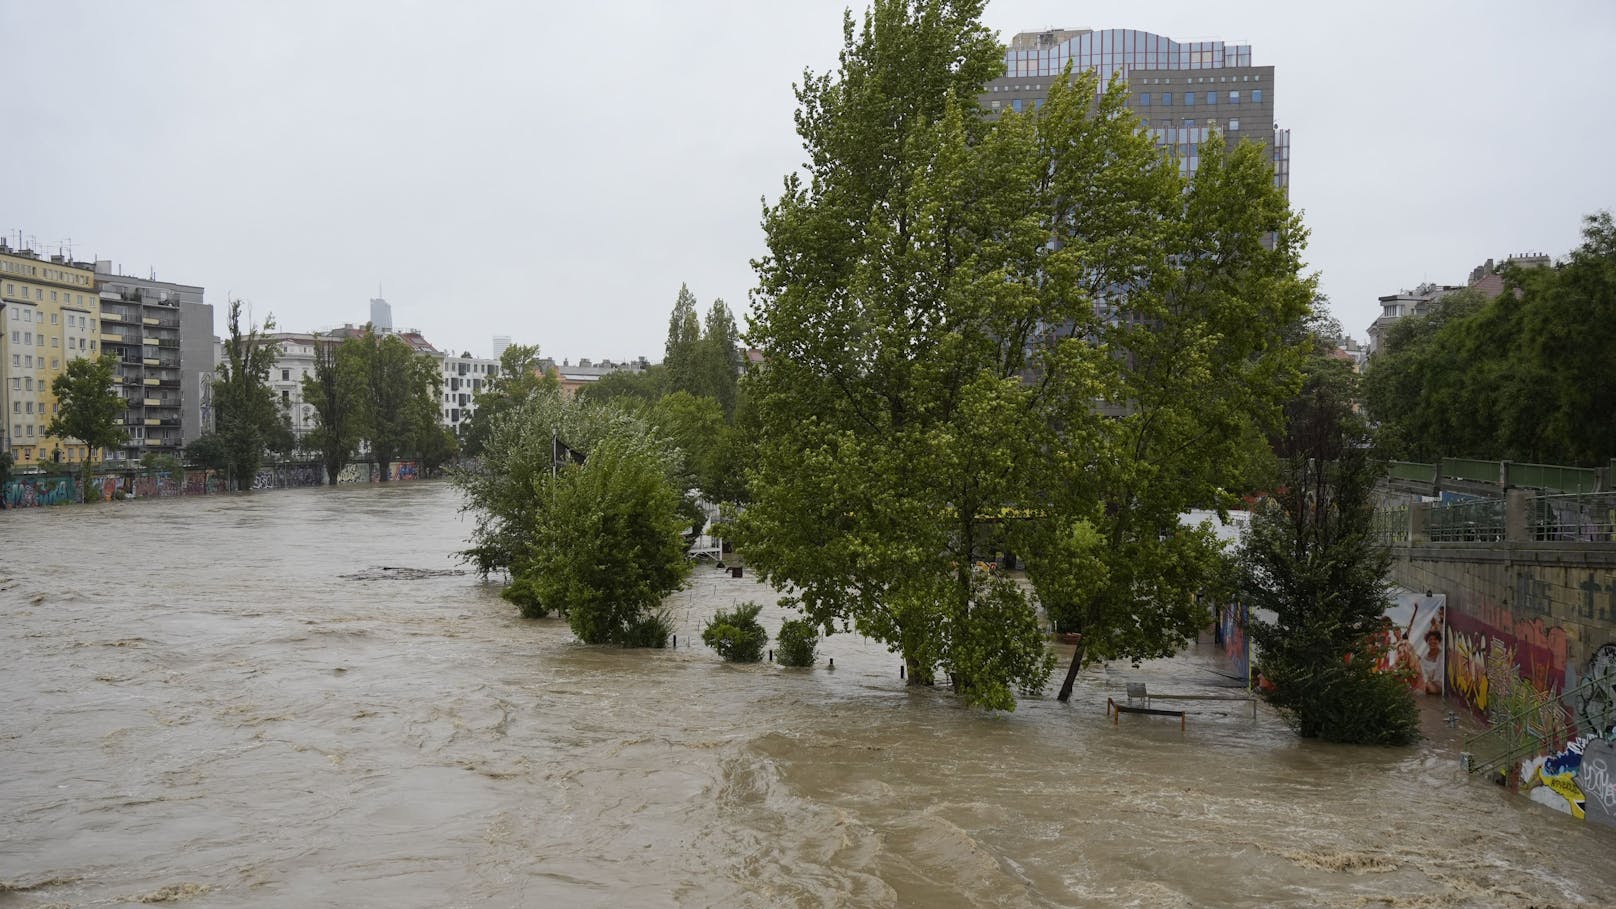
(224, 701)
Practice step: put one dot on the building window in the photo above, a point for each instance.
(995, 104)
(1144, 99)
(1015, 105)
(1256, 96)
(1189, 99)
(1234, 97)
(1211, 97)
(1234, 125)
(53, 318)
(1167, 98)
(286, 375)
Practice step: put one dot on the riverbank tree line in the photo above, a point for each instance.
(1529, 375)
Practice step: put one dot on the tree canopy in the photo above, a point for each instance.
(336, 391)
(88, 407)
(398, 397)
(600, 541)
(1311, 559)
(247, 419)
(1529, 375)
(1031, 333)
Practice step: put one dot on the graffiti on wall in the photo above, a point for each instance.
(406, 470)
(1578, 777)
(34, 492)
(354, 473)
(1597, 780)
(1537, 654)
(1596, 694)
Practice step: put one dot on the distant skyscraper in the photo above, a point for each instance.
(381, 315)
(1182, 91)
(500, 343)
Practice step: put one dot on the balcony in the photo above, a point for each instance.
(149, 381)
(111, 337)
(151, 421)
(149, 342)
(152, 361)
(149, 320)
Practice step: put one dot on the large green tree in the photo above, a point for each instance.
(681, 355)
(599, 541)
(1032, 332)
(718, 360)
(87, 408)
(246, 417)
(1312, 560)
(335, 389)
(399, 396)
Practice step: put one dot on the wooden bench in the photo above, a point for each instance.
(1117, 710)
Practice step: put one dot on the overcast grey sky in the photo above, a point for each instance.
(555, 171)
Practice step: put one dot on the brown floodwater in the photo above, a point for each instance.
(224, 701)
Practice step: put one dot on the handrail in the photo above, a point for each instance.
(1519, 724)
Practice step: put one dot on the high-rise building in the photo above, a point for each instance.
(381, 315)
(48, 317)
(501, 342)
(162, 335)
(1182, 91)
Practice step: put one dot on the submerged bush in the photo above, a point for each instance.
(649, 630)
(522, 592)
(798, 638)
(736, 634)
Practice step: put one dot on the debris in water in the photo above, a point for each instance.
(394, 573)
(173, 893)
(1355, 862)
(25, 887)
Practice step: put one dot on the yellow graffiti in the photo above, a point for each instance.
(1565, 786)
(1467, 667)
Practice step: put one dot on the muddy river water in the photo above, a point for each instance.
(220, 702)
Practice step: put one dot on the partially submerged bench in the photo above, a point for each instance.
(1136, 691)
(1117, 710)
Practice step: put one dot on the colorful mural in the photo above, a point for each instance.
(1538, 655)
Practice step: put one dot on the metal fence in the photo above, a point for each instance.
(1467, 522)
(1584, 518)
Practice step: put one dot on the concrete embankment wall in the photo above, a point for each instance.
(1531, 630)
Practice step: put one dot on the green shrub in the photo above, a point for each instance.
(649, 630)
(525, 595)
(797, 640)
(736, 634)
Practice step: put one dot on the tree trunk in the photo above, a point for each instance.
(1071, 673)
(915, 674)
